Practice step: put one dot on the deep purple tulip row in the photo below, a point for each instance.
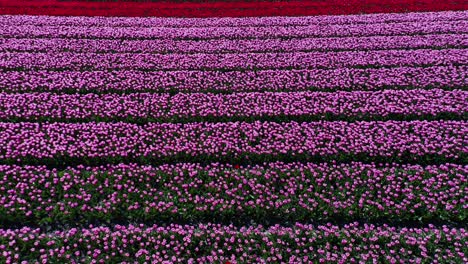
(238, 106)
(136, 22)
(399, 141)
(247, 61)
(234, 46)
(249, 32)
(262, 193)
(213, 243)
(451, 77)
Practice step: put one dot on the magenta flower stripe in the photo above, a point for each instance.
(143, 107)
(187, 243)
(400, 141)
(131, 81)
(323, 192)
(234, 46)
(244, 61)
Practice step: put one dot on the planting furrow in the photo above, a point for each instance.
(406, 28)
(348, 79)
(215, 243)
(142, 22)
(95, 143)
(267, 194)
(235, 46)
(239, 61)
(299, 106)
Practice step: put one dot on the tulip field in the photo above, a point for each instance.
(233, 132)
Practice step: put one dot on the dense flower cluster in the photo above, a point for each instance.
(448, 77)
(277, 63)
(433, 141)
(214, 243)
(236, 8)
(263, 193)
(143, 107)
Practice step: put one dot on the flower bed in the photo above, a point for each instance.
(299, 106)
(59, 143)
(216, 243)
(132, 81)
(268, 193)
(334, 139)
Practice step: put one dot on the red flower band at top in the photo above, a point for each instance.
(221, 8)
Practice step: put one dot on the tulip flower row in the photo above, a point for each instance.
(222, 8)
(237, 61)
(234, 46)
(141, 22)
(144, 107)
(261, 193)
(59, 143)
(214, 243)
(253, 32)
(447, 77)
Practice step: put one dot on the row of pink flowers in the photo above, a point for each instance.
(229, 61)
(193, 192)
(433, 41)
(448, 77)
(224, 107)
(213, 243)
(398, 141)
